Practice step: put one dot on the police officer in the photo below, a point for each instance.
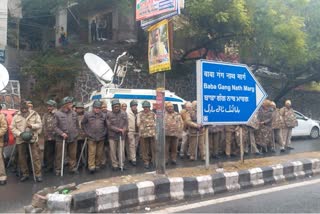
(173, 129)
(79, 108)
(277, 126)
(94, 124)
(196, 133)
(253, 126)
(3, 130)
(66, 128)
(185, 133)
(26, 126)
(230, 131)
(104, 109)
(133, 134)
(265, 130)
(49, 138)
(147, 133)
(290, 121)
(117, 128)
(215, 140)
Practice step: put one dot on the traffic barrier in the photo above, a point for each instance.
(167, 190)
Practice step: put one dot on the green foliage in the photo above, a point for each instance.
(278, 36)
(52, 68)
(312, 27)
(211, 24)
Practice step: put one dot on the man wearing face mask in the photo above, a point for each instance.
(94, 124)
(26, 126)
(66, 128)
(117, 129)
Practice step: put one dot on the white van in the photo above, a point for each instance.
(127, 95)
(109, 91)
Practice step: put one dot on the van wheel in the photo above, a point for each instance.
(314, 133)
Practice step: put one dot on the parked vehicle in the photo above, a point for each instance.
(112, 80)
(306, 127)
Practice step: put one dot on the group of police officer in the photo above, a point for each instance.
(127, 133)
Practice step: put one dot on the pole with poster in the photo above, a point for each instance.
(159, 61)
(159, 58)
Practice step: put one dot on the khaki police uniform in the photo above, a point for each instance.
(173, 129)
(19, 125)
(147, 133)
(3, 130)
(49, 139)
(196, 136)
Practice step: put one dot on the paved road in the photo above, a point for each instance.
(300, 197)
(15, 195)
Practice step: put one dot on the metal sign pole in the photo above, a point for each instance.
(197, 145)
(160, 136)
(207, 147)
(241, 145)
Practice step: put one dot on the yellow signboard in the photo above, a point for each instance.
(158, 48)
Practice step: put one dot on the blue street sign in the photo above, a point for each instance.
(226, 93)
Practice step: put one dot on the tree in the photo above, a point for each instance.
(210, 24)
(281, 42)
(280, 35)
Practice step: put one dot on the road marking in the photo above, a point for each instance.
(235, 197)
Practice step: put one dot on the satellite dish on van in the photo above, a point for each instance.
(4, 77)
(99, 67)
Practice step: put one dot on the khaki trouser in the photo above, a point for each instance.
(193, 145)
(148, 147)
(3, 175)
(95, 153)
(23, 161)
(214, 142)
(252, 140)
(116, 153)
(48, 153)
(172, 146)
(71, 149)
(184, 143)
(229, 140)
(105, 154)
(277, 135)
(286, 136)
(131, 146)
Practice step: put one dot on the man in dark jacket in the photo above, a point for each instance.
(117, 127)
(66, 128)
(94, 124)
